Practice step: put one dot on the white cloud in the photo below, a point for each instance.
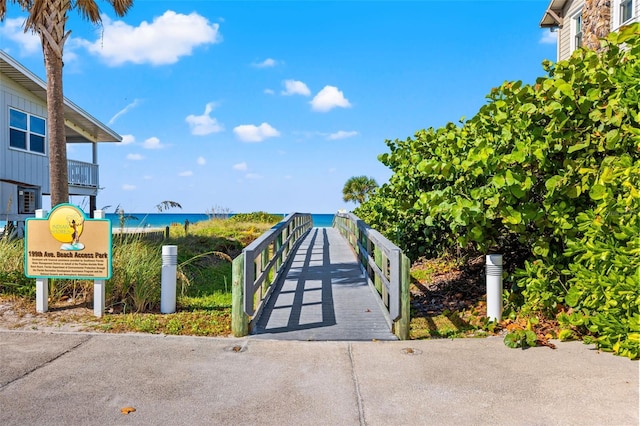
(269, 91)
(128, 187)
(201, 161)
(13, 30)
(240, 166)
(341, 134)
(267, 63)
(124, 111)
(152, 143)
(253, 133)
(134, 157)
(549, 37)
(328, 98)
(186, 173)
(253, 176)
(295, 87)
(202, 125)
(160, 42)
(127, 139)
(147, 177)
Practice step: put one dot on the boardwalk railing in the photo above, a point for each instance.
(386, 267)
(260, 265)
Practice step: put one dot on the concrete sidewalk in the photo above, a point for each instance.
(86, 379)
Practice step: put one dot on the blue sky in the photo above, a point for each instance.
(246, 106)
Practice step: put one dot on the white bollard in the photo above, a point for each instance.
(494, 286)
(42, 295)
(42, 284)
(98, 285)
(169, 271)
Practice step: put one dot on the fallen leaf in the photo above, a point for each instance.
(127, 410)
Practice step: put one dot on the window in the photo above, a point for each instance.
(26, 131)
(577, 31)
(626, 11)
(623, 12)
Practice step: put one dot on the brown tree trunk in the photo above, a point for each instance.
(596, 22)
(58, 173)
(51, 28)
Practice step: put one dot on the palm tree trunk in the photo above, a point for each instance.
(52, 34)
(596, 22)
(58, 173)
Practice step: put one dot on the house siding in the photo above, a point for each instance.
(564, 33)
(16, 166)
(570, 9)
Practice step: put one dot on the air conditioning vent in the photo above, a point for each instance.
(26, 200)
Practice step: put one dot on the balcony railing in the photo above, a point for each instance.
(82, 174)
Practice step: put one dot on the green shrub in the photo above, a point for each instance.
(553, 167)
(256, 217)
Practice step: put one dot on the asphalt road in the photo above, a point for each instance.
(86, 379)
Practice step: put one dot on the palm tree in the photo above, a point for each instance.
(358, 189)
(47, 18)
(596, 22)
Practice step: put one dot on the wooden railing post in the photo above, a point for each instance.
(239, 320)
(402, 325)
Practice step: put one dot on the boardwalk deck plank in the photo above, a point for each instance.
(324, 296)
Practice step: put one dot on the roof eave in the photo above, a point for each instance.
(554, 14)
(73, 113)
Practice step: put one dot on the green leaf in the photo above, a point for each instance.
(552, 182)
(573, 297)
(498, 181)
(517, 191)
(566, 89)
(612, 138)
(574, 191)
(598, 192)
(577, 147)
(593, 94)
(566, 334)
(512, 340)
(513, 217)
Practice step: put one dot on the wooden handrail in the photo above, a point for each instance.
(386, 267)
(265, 257)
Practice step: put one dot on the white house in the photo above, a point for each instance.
(24, 161)
(567, 17)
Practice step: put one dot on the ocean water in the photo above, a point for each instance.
(160, 220)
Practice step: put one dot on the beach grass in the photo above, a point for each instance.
(205, 252)
(203, 303)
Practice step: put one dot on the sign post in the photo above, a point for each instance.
(65, 244)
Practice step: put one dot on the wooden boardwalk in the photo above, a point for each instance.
(324, 296)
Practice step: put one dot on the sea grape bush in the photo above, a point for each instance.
(553, 167)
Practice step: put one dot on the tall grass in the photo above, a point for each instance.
(12, 278)
(204, 267)
(135, 282)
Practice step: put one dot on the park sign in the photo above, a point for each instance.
(68, 245)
